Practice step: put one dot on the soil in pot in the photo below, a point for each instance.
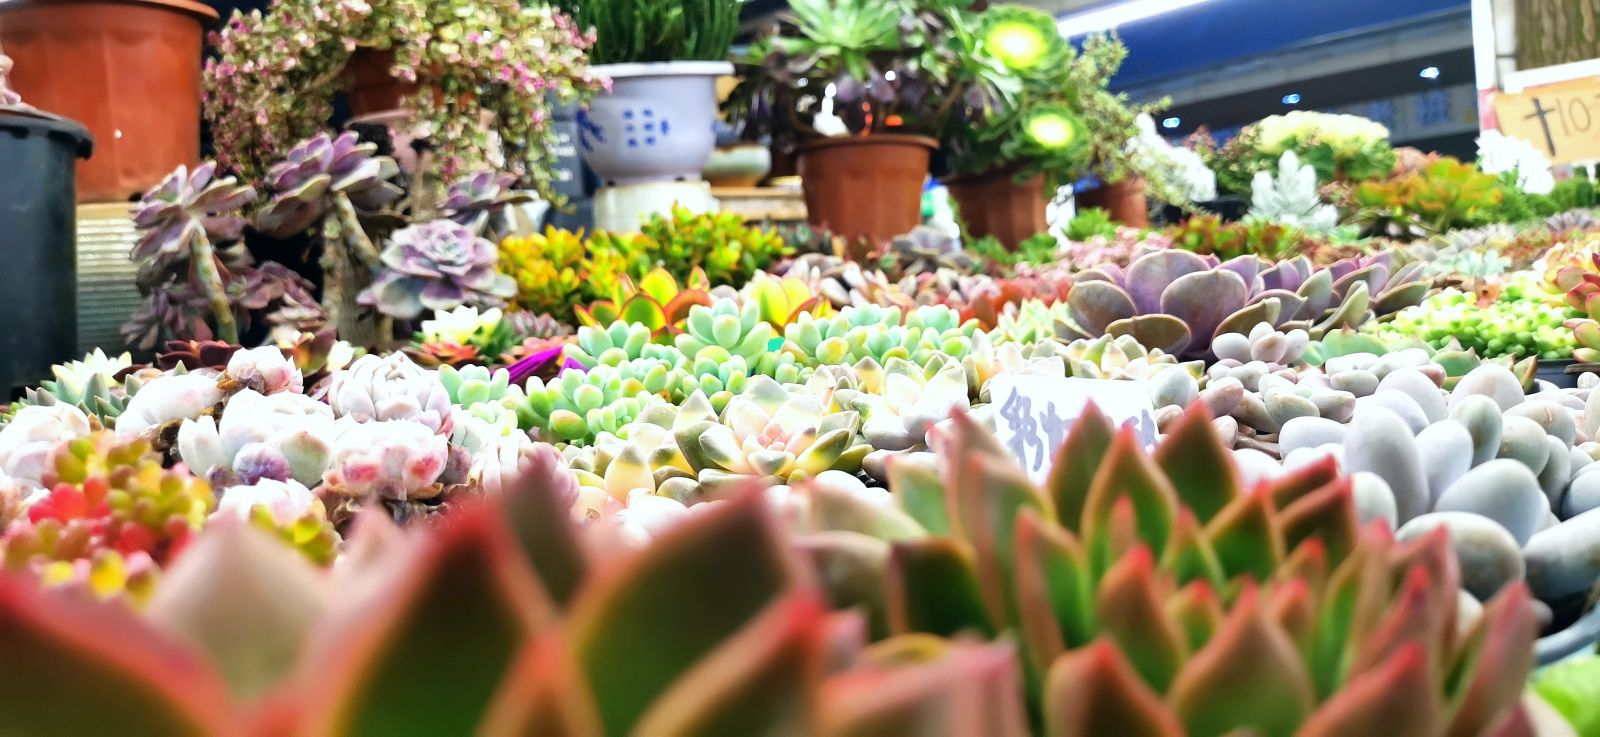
(1125, 201)
(865, 188)
(39, 220)
(996, 204)
(129, 70)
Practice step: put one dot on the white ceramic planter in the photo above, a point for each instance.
(655, 125)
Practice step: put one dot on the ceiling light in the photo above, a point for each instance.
(1293, 98)
(1110, 16)
(1171, 123)
(1429, 73)
(889, 75)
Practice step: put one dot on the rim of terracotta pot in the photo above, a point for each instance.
(648, 69)
(891, 139)
(201, 11)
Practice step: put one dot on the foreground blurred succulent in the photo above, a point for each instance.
(29, 440)
(1157, 596)
(439, 265)
(542, 627)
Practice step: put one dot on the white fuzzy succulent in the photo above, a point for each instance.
(1291, 197)
(167, 398)
(278, 437)
(899, 401)
(391, 387)
(30, 439)
(1499, 153)
(286, 501)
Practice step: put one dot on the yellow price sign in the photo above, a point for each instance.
(1562, 120)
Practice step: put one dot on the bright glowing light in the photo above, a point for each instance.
(1429, 73)
(1293, 98)
(1171, 123)
(1110, 16)
(889, 75)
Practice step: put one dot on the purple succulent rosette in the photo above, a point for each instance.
(472, 198)
(439, 265)
(318, 167)
(185, 203)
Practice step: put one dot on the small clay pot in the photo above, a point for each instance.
(996, 204)
(865, 188)
(1125, 201)
(129, 70)
(369, 87)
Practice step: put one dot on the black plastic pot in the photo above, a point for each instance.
(38, 154)
(1555, 372)
(1230, 208)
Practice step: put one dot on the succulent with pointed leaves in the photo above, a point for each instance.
(989, 359)
(186, 205)
(91, 385)
(845, 283)
(783, 299)
(1158, 592)
(438, 265)
(474, 199)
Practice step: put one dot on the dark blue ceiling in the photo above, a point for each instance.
(1217, 32)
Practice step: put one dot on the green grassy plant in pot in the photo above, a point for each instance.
(1008, 160)
(860, 87)
(1113, 123)
(663, 60)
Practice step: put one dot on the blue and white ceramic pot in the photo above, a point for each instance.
(656, 125)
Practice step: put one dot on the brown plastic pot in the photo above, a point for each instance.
(996, 204)
(129, 70)
(865, 188)
(1125, 201)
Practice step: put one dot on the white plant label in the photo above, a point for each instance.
(1033, 414)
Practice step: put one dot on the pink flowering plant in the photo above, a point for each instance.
(272, 83)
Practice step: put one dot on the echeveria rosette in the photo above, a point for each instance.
(186, 204)
(278, 437)
(617, 343)
(318, 168)
(287, 510)
(726, 329)
(438, 265)
(899, 401)
(397, 460)
(90, 385)
(380, 388)
(471, 199)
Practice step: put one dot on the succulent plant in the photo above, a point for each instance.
(730, 251)
(397, 460)
(899, 401)
(1514, 324)
(844, 283)
(617, 343)
(1179, 302)
(548, 268)
(656, 301)
(474, 198)
(578, 405)
(463, 335)
(724, 330)
(277, 437)
(167, 399)
(287, 510)
(185, 205)
(390, 387)
(319, 171)
(29, 440)
(1119, 357)
(1291, 197)
(1129, 581)
(473, 385)
(924, 250)
(781, 300)
(439, 265)
(91, 385)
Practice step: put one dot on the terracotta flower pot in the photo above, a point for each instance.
(369, 87)
(1125, 201)
(867, 187)
(996, 204)
(129, 70)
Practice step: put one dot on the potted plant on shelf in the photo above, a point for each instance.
(455, 65)
(1006, 163)
(859, 88)
(663, 60)
(1112, 122)
(129, 70)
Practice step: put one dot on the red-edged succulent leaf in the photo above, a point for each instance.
(986, 494)
(1247, 538)
(1200, 469)
(424, 652)
(1292, 607)
(640, 308)
(70, 667)
(932, 587)
(1495, 661)
(1327, 514)
(1308, 562)
(1189, 556)
(968, 690)
(1055, 590)
(536, 509)
(920, 492)
(1127, 473)
(763, 680)
(677, 309)
(1398, 697)
(1129, 608)
(544, 696)
(1352, 602)
(1432, 552)
(646, 620)
(1197, 612)
(1288, 488)
(1094, 692)
(1248, 677)
(1409, 618)
(1076, 464)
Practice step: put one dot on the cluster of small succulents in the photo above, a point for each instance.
(1519, 322)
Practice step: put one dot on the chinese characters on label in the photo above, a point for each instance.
(1035, 413)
